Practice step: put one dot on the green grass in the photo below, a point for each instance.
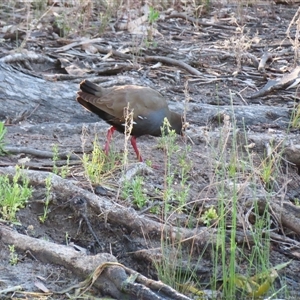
(14, 194)
(295, 123)
(237, 175)
(235, 172)
(175, 197)
(174, 174)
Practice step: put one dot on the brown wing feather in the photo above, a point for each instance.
(150, 107)
(113, 101)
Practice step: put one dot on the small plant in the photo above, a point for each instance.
(153, 15)
(2, 134)
(13, 256)
(55, 158)
(62, 23)
(98, 165)
(13, 195)
(152, 19)
(209, 215)
(64, 170)
(104, 18)
(94, 164)
(48, 184)
(267, 171)
(134, 189)
(269, 167)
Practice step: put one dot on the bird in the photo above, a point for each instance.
(149, 108)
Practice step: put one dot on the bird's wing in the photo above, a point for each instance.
(114, 100)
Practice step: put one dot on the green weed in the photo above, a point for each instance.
(209, 216)
(134, 190)
(55, 158)
(64, 170)
(152, 19)
(153, 15)
(13, 256)
(13, 194)
(63, 24)
(98, 166)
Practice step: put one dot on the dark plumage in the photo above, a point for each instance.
(149, 109)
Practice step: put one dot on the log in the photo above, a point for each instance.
(43, 101)
(24, 96)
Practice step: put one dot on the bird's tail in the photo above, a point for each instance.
(91, 88)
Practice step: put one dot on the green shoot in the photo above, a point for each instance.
(296, 117)
(64, 170)
(153, 15)
(55, 158)
(13, 256)
(48, 184)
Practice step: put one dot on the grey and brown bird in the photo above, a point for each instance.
(149, 109)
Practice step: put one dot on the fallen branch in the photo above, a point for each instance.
(113, 282)
(118, 214)
(39, 153)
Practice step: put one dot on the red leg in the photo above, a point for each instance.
(133, 143)
(110, 132)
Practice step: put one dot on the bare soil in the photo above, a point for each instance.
(225, 48)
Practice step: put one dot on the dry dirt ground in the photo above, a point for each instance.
(214, 66)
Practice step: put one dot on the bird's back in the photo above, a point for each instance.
(149, 106)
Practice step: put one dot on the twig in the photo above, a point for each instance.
(39, 153)
(79, 205)
(174, 62)
(265, 57)
(197, 21)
